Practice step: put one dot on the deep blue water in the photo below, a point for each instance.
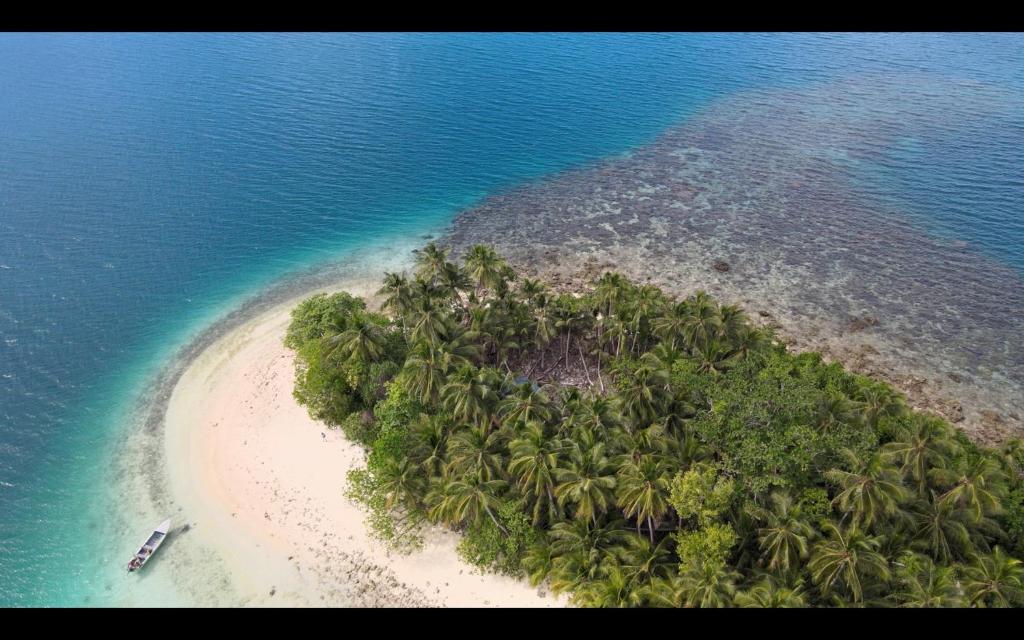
(149, 183)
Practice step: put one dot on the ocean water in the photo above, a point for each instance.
(150, 184)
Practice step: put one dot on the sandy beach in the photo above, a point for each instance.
(261, 484)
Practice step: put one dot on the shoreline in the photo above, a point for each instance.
(667, 214)
(258, 485)
(261, 490)
(755, 200)
(987, 418)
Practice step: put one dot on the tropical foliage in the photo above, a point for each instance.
(637, 450)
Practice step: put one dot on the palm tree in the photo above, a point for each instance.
(599, 414)
(994, 580)
(616, 331)
(643, 561)
(941, 528)
(428, 366)
(704, 320)
(525, 405)
(469, 395)
(534, 460)
(785, 535)
(925, 585)
(642, 398)
(925, 444)
(712, 356)
(362, 342)
(430, 261)
(678, 410)
(505, 343)
(834, 410)
(492, 325)
(452, 281)
(460, 348)
(660, 359)
(748, 340)
(684, 449)
(544, 331)
(430, 322)
(671, 326)
(876, 401)
(614, 589)
(506, 274)
(587, 482)
(845, 559)
(475, 452)
(539, 561)
(647, 300)
(978, 484)
(611, 291)
(532, 290)
(570, 407)
(579, 548)
(709, 585)
(770, 594)
(401, 481)
(467, 500)
(483, 319)
(425, 372)
(484, 266)
(425, 290)
(398, 295)
(643, 491)
(568, 319)
(870, 492)
(732, 321)
(1012, 453)
(431, 438)
(634, 444)
(670, 591)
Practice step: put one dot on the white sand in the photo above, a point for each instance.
(260, 485)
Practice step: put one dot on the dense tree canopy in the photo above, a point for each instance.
(637, 450)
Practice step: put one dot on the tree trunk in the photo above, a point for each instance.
(537, 362)
(586, 370)
(495, 520)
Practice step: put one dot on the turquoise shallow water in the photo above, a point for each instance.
(151, 183)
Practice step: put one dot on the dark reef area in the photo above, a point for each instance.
(756, 200)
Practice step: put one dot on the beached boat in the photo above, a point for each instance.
(150, 546)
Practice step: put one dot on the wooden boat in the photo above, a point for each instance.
(150, 546)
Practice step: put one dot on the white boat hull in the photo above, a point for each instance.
(149, 547)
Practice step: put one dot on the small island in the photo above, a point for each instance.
(631, 449)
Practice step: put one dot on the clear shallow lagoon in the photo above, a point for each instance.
(151, 183)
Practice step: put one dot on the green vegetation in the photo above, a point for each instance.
(636, 450)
